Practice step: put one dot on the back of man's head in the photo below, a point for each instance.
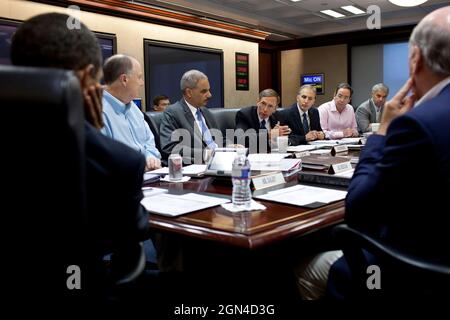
(46, 41)
(431, 35)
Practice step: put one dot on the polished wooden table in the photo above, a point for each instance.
(249, 229)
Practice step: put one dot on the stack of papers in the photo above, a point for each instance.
(335, 142)
(301, 195)
(194, 170)
(174, 205)
(272, 162)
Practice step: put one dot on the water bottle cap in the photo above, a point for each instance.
(240, 151)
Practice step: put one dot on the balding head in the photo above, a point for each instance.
(431, 36)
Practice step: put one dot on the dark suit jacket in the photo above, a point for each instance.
(114, 174)
(291, 117)
(402, 181)
(179, 116)
(247, 118)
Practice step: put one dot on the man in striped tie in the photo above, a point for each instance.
(187, 127)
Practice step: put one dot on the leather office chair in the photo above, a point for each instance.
(44, 207)
(225, 118)
(402, 275)
(154, 119)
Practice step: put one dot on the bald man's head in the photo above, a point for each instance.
(431, 36)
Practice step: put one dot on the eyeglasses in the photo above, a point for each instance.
(264, 104)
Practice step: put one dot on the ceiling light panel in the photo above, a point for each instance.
(332, 13)
(353, 9)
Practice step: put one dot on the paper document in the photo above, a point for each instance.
(150, 177)
(193, 169)
(301, 195)
(335, 142)
(150, 191)
(283, 165)
(266, 157)
(175, 205)
(345, 174)
(301, 148)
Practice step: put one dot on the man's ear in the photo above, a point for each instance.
(188, 92)
(416, 60)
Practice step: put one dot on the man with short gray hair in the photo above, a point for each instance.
(123, 120)
(190, 121)
(370, 111)
(383, 197)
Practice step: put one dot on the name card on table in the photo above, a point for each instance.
(301, 154)
(340, 167)
(267, 180)
(339, 149)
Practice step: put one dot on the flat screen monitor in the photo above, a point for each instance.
(165, 64)
(317, 80)
(7, 29)
(107, 44)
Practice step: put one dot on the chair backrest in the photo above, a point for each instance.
(43, 159)
(153, 120)
(225, 118)
(402, 273)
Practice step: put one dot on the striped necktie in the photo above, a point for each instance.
(305, 124)
(205, 131)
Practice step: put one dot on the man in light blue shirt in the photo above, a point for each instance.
(123, 119)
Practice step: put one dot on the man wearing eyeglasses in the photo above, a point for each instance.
(303, 119)
(262, 119)
(337, 116)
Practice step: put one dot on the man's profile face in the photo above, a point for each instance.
(306, 99)
(135, 80)
(162, 105)
(267, 106)
(199, 95)
(379, 98)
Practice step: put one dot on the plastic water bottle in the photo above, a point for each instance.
(240, 174)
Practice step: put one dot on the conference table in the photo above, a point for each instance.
(248, 229)
(258, 248)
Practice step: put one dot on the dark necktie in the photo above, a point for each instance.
(305, 124)
(263, 124)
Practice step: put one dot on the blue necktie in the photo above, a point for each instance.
(305, 124)
(263, 124)
(205, 131)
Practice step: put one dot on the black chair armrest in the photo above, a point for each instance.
(128, 264)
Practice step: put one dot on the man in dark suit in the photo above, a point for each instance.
(402, 180)
(303, 119)
(114, 172)
(190, 121)
(258, 122)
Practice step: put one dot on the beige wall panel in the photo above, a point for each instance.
(130, 35)
(330, 60)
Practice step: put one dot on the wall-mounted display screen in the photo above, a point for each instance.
(317, 80)
(8, 27)
(165, 64)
